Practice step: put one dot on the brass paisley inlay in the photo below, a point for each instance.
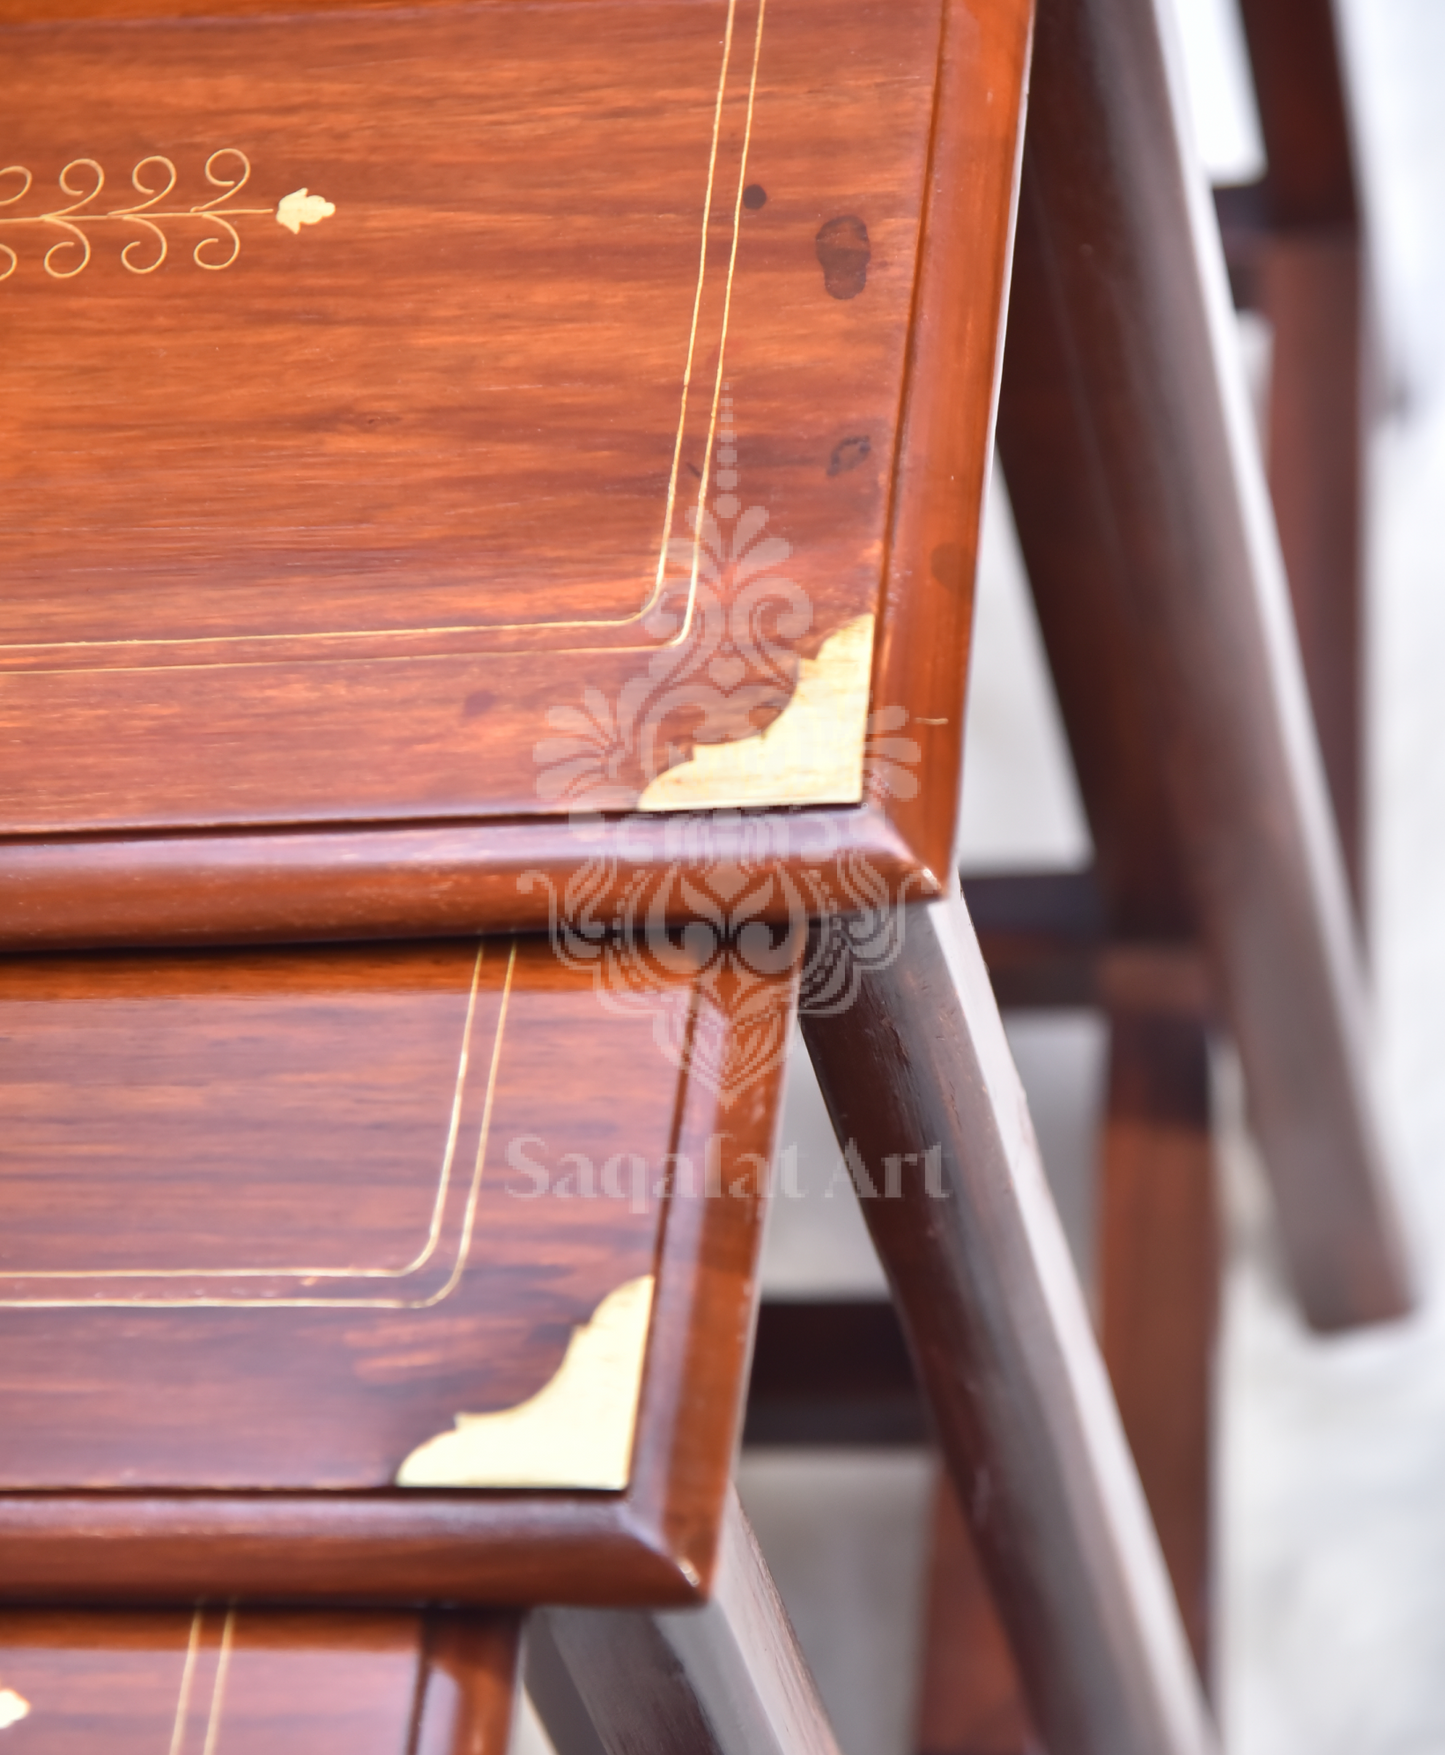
(153, 179)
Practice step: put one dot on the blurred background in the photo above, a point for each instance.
(1330, 1470)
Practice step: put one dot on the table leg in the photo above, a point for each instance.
(1159, 1286)
(724, 1679)
(922, 1090)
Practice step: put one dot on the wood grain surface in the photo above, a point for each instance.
(917, 1076)
(274, 1219)
(209, 1681)
(728, 1679)
(1158, 1290)
(640, 354)
(1313, 256)
(970, 1697)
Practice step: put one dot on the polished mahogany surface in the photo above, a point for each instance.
(461, 414)
(265, 1206)
(212, 1681)
(316, 1221)
(1002, 1345)
(462, 404)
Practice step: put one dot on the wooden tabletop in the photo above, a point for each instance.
(397, 1241)
(213, 1681)
(421, 424)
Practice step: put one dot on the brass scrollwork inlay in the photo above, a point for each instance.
(153, 179)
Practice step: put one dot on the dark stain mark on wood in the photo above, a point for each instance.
(948, 564)
(849, 453)
(477, 703)
(754, 197)
(843, 254)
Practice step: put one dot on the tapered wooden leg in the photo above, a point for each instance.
(725, 1679)
(922, 1092)
(1158, 1297)
(1159, 1285)
(466, 1695)
(1312, 286)
(971, 1699)
(1142, 520)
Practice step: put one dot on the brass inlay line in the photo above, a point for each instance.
(727, 313)
(692, 332)
(181, 1722)
(183, 1699)
(218, 1687)
(242, 1273)
(502, 628)
(307, 1275)
(293, 212)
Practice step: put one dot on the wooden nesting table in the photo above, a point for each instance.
(243, 1682)
(466, 468)
(422, 424)
(395, 1272)
(472, 469)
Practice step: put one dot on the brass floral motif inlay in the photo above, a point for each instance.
(153, 179)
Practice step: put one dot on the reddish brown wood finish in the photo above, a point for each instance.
(955, 349)
(1047, 940)
(1158, 1280)
(832, 1371)
(727, 1679)
(971, 1699)
(468, 1685)
(177, 1111)
(1159, 1288)
(1143, 525)
(258, 1682)
(918, 1079)
(265, 1141)
(1294, 54)
(1295, 255)
(451, 470)
(366, 883)
(1311, 286)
